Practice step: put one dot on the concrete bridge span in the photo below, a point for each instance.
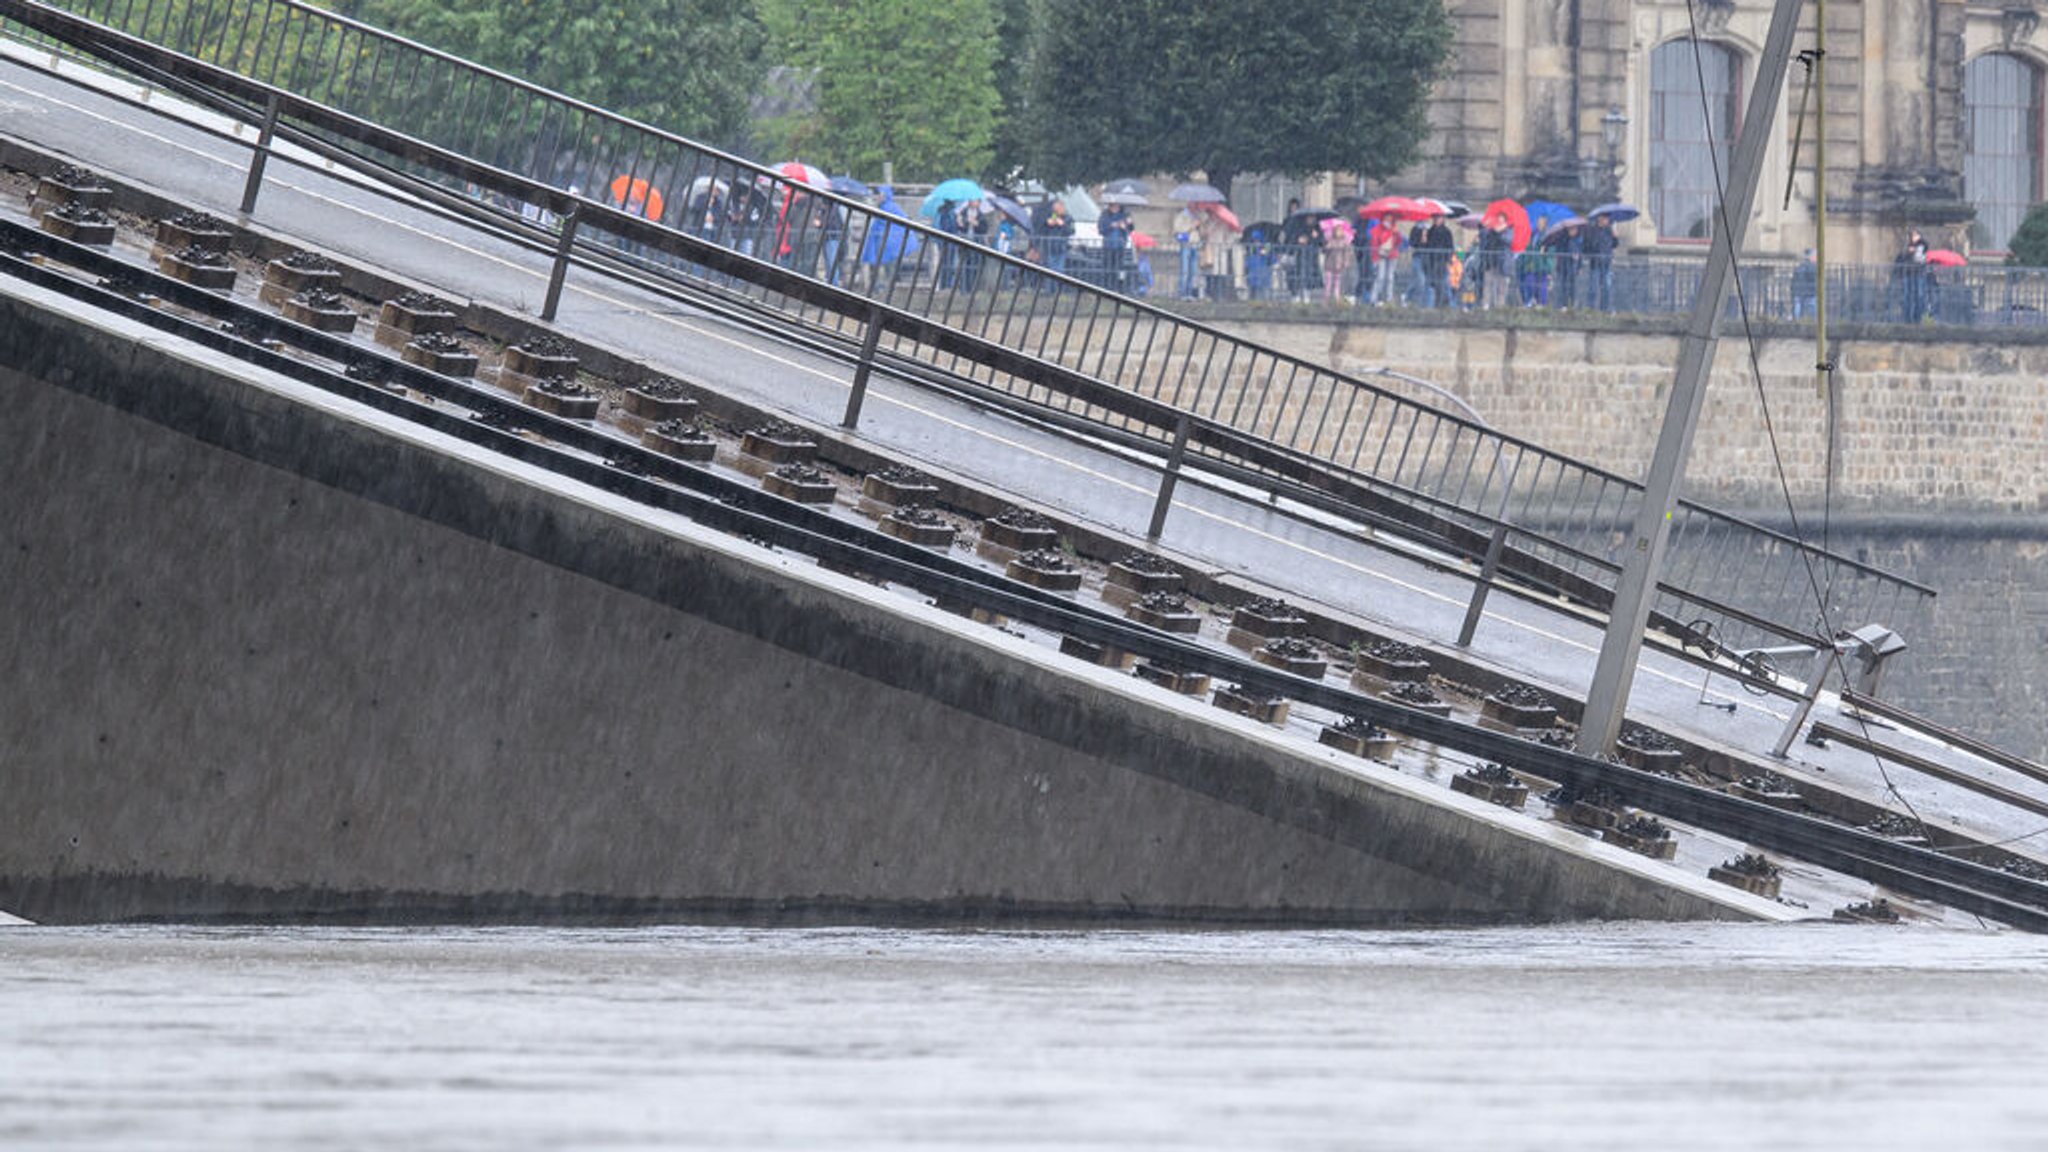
(272, 655)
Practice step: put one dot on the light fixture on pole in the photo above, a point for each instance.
(1613, 127)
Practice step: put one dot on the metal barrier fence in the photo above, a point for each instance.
(1415, 460)
(1986, 295)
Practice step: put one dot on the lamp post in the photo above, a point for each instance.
(1613, 127)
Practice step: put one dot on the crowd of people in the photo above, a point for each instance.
(1421, 262)
(1440, 260)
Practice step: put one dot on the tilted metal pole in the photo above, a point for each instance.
(1175, 456)
(870, 339)
(260, 157)
(1607, 701)
(565, 244)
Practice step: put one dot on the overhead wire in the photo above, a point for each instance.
(1827, 632)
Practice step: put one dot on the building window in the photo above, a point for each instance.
(2001, 145)
(1690, 136)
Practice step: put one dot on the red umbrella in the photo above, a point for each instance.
(637, 196)
(1142, 241)
(1946, 258)
(803, 174)
(1220, 212)
(1516, 216)
(1402, 207)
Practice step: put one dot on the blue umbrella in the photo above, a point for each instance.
(950, 192)
(1544, 214)
(1197, 194)
(1615, 212)
(848, 186)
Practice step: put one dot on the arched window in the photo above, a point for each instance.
(1689, 136)
(2001, 144)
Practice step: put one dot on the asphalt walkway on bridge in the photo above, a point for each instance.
(1209, 528)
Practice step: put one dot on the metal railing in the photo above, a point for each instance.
(988, 317)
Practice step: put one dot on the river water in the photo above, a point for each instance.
(1606, 1036)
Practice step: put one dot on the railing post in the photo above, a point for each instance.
(1487, 572)
(869, 338)
(560, 272)
(261, 157)
(1815, 677)
(1167, 482)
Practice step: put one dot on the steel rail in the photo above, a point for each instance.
(596, 458)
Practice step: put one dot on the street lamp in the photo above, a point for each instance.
(1613, 126)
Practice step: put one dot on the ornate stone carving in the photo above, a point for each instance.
(2017, 25)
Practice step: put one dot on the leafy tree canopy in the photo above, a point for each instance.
(690, 66)
(1292, 86)
(2029, 245)
(910, 82)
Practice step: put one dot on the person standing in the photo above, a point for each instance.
(1303, 242)
(1493, 265)
(1805, 286)
(1339, 241)
(1214, 235)
(1597, 248)
(1914, 270)
(1417, 293)
(1187, 234)
(1386, 250)
(1057, 233)
(1115, 226)
(1562, 245)
(1438, 243)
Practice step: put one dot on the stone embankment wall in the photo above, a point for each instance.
(265, 657)
(1923, 423)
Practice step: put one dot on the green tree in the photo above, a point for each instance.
(1292, 86)
(689, 66)
(911, 82)
(2029, 246)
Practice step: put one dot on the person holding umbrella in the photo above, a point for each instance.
(1563, 244)
(1187, 233)
(1384, 247)
(1597, 248)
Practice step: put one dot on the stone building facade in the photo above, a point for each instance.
(1934, 117)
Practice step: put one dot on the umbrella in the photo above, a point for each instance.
(1143, 240)
(950, 191)
(1470, 220)
(1197, 194)
(1012, 209)
(848, 186)
(1404, 207)
(803, 174)
(1615, 212)
(1517, 218)
(1438, 207)
(637, 196)
(703, 185)
(1338, 229)
(1128, 198)
(1543, 214)
(1561, 225)
(1129, 187)
(1946, 258)
(1454, 207)
(1223, 213)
